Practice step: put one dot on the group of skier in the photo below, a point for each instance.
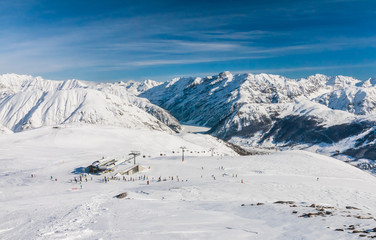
(84, 177)
(81, 178)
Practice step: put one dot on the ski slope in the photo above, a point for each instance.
(208, 202)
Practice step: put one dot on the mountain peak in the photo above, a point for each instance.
(225, 74)
(342, 81)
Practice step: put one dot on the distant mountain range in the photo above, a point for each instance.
(332, 115)
(338, 114)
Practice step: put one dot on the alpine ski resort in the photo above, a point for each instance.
(195, 120)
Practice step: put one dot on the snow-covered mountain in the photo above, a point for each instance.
(135, 87)
(263, 110)
(358, 100)
(31, 102)
(272, 110)
(123, 91)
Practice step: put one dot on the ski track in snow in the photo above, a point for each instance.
(73, 225)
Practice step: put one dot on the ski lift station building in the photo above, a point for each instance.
(106, 164)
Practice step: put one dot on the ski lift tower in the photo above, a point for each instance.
(182, 153)
(134, 154)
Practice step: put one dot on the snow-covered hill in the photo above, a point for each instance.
(30, 102)
(271, 110)
(284, 195)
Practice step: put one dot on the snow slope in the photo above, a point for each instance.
(196, 207)
(4, 130)
(128, 91)
(31, 102)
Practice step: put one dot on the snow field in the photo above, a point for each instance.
(199, 208)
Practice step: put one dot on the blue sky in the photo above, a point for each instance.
(110, 40)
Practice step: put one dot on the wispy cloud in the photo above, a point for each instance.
(173, 62)
(305, 68)
(246, 52)
(139, 37)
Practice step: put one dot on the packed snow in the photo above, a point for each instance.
(212, 194)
